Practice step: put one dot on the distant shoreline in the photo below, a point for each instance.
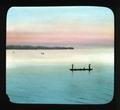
(28, 47)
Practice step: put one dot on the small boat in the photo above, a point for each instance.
(81, 69)
(42, 53)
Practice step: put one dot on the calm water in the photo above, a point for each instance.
(36, 78)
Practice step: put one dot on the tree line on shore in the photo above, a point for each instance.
(35, 47)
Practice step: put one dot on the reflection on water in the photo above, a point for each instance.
(36, 78)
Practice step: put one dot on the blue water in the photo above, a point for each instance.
(56, 84)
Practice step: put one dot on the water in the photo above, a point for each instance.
(46, 79)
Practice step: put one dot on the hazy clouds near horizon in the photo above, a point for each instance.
(77, 26)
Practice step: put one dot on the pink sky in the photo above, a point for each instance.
(73, 26)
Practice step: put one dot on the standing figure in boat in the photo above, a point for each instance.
(81, 69)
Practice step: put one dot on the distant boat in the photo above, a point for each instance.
(42, 53)
(81, 69)
(13, 51)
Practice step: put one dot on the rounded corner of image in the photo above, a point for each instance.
(110, 9)
(8, 10)
(109, 101)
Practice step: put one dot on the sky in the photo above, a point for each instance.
(76, 26)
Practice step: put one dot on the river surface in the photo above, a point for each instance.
(43, 76)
